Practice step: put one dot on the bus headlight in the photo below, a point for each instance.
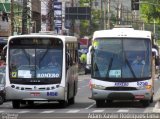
(148, 86)
(98, 87)
(144, 87)
(1, 88)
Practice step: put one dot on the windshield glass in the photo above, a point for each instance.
(35, 63)
(2, 77)
(121, 58)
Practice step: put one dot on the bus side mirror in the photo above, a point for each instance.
(92, 50)
(153, 54)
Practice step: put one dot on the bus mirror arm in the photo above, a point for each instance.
(92, 50)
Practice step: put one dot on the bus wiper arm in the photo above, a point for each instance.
(129, 65)
(43, 56)
(110, 65)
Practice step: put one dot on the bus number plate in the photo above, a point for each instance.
(52, 93)
(123, 84)
(141, 83)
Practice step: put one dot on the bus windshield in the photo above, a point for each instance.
(35, 62)
(121, 59)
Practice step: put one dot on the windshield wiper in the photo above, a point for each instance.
(110, 65)
(43, 56)
(129, 65)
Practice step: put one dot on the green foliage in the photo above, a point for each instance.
(150, 10)
(85, 27)
(82, 2)
(158, 41)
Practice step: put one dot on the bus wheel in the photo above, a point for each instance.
(63, 103)
(16, 104)
(151, 101)
(1, 100)
(145, 103)
(72, 100)
(100, 103)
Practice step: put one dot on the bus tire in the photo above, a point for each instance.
(1, 100)
(63, 103)
(71, 100)
(16, 104)
(145, 103)
(100, 103)
(151, 101)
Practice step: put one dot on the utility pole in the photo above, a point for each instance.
(90, 20)
(50, 15)
(101, 16)
(24, 17)
(108, 14)
(73, 21)
(104, 20)
(12, 18)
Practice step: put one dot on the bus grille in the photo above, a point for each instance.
(120, 88)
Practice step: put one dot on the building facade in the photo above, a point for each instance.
(33, 16)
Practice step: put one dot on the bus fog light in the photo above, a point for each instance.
(57, 86)
(99, 87)
(141, 88)
(13, 86)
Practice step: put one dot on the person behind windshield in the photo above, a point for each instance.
(139, 60)
(53, 62)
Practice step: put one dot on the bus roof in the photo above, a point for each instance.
(64, 38)
(122, 32)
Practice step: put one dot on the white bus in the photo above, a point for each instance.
(29, 75)
(115, 75)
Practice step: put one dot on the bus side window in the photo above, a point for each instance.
(69, 60)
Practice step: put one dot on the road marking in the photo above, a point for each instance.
(48, 111)
(23, 112)
(98, 111)
(122, 110)
(72, 111)
(148, 109)
(1, 111)
(90, 106)
(85, 86)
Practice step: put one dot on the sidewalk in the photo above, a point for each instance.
(156, 109)
(4, 28)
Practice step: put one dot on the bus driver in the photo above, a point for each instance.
(139, 61)
(54, 62)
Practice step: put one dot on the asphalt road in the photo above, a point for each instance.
(83, 107)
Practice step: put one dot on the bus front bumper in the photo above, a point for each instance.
(121, 95)
(37, 95)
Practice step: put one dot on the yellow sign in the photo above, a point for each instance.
(95, 44)
(14, 74)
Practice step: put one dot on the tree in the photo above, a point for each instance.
(150, 10)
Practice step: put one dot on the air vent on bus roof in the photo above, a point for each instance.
(123, 26)
(48, 32)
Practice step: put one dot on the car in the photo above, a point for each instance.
(2, 88)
